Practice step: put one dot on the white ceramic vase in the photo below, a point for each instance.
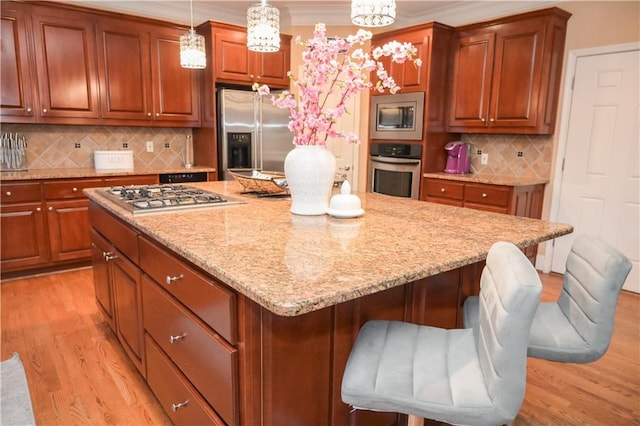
(310, 171)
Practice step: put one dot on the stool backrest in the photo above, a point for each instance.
(509, 296)
(592, 282)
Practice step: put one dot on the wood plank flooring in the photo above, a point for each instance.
(79, 374)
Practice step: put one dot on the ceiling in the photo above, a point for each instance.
(307, 12)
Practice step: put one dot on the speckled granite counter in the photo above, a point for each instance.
(32, 174)
(488, 179)
(296, 264)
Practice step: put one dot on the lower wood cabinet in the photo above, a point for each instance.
(521, 200)
(45, 223)
(101, 254)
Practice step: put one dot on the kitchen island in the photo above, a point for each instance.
(280, 298)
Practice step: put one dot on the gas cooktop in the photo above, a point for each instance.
(163, 198)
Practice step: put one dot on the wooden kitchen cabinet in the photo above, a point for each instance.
(70, 65)
(506, 74)
(521, 200)
(23, 228)
(101, 255)
(16, 92)
(124, 67)
(235, 63)
(65, 64)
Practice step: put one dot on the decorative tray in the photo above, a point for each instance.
(262, 183)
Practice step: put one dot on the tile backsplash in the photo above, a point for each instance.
(512, 155)
(53, 146)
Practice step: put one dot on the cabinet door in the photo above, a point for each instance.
(472, 70)
(69, 235)
(66, 66)
(124, 70)
(272, 68)
(175, 96)
(409, 77)
(101, 251)
(23, 235)
(16, 95)
(128, 307)
(516, 75)
(232, 58)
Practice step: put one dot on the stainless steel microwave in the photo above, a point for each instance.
(397, 117)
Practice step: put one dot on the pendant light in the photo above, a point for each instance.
(263, 28)
(192, 51)
(373, 13)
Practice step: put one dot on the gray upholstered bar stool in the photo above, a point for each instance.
(462, 376)
(577, 328)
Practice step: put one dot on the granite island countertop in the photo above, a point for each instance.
(64, 173)
(293, 264)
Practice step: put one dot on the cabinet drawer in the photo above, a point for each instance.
(121, 236)
(20, 192)
(176, 395)
(487, 194)
(444, 189)
(213, 303)
(203, 357)
(69, 188)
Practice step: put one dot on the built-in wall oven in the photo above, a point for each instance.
(394, 169)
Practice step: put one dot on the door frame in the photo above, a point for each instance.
(563, 132)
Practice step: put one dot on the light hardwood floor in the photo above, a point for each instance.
(78, 373)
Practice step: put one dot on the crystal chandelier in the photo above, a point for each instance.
(373, 13)
(192, 52)
(263, 28)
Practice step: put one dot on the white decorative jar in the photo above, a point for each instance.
(310, 171)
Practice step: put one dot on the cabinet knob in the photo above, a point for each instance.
(148, 114)
(28, 109)
(157, 114)
(38, 209)
(492, 119)
(173, 339)
(74, 189)
(175, 406)
(50, 209)
(172, 279)
(482, 119)
(484, 195)
(8, 193)
(442, 190)
(44, 110)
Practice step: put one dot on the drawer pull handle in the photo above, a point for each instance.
(442, 190)
(484, 195)
(74, 189)
(172, 279)
(8, 193)
(173, 339)
(175, 407)
(38, 209)
(108, 255)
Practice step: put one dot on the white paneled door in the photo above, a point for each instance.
(600, 189)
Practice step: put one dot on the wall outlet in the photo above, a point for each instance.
(149, 146)
(484, 158)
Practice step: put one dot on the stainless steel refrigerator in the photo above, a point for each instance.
(252, 133)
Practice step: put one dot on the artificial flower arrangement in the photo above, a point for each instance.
(332, 66)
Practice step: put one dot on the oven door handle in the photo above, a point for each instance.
(393, 160)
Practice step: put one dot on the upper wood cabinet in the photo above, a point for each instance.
(235, 63)
(65, 64)
(16, 91)
(506, 75)
(409, 77)
(124, 70)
